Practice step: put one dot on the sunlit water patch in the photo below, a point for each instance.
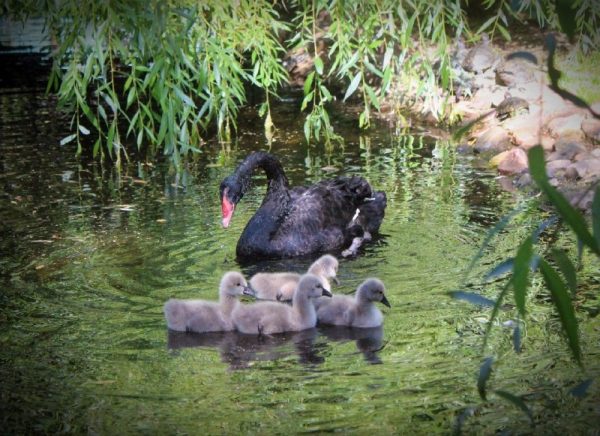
(89, 258)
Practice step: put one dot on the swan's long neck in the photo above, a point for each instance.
(305, 310)
(261, 227)
(227, 303)
(269, 164)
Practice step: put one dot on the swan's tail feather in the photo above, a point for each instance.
(175, 315)
(372, 212)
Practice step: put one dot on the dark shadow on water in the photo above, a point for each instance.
(240, 350)
(369, 341)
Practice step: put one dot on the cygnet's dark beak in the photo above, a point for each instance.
(249, 291)
(386, 302)
(335, 280)
(327, 293)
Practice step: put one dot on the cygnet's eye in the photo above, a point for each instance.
(319, 285)
(239, 284)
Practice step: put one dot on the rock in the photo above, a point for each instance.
(569, 125)
(494, 139)
(511, 107)
(481, 57)
(588, 169)
(566, 148)
(524, 130)
(553, 166)
(513, 161)
(486, 97)
(547, 142)
(571, 173)
(591, 129)
(495, 161)
(514, 72)
(558, 167)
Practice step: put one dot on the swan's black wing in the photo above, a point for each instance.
(319, 216)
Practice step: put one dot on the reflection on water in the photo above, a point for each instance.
(88, 258)
(241, 351)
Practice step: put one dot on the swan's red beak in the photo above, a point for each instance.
(227, 208)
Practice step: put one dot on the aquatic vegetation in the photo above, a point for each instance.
(153, 76)
(558, 272)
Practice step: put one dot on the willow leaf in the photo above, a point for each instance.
(500, 225)
(569, 214)
(581, 389)
(517, 401)
(501, 269)
(566, 268)
(353, 85)
(521, 274)
(516, 338)
(485, 371)
(563, 304)
(472, 298)
(596, 216)
(494, 313)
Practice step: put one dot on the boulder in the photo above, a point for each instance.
(494, 139)
(566, 148)
(524, 130)
(588, 169)
(591, 129)
(513, 161)
(514, 72)
(569, 125)
(556, 168)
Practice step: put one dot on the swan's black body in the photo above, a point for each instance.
(303, 220)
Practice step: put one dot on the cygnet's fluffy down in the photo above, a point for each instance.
(357, 311)
(208, 316)
(267, 317)
(281, 286)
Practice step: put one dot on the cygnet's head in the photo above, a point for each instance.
(233, 284)
(312, 286)
(326, 266)
(372, 290)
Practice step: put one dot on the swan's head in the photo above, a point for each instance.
(326, 266)
(233, 284)
(312, 286)
(372, 290)
(231, 193)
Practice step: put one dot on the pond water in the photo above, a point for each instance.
(89, 258)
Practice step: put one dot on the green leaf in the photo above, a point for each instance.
(319, 65)
(326, 93)
(83, 130)
(487, 24)
(521, 273)
(501, 269)
(596, 216)
(517, 401)
(495, 311)
(581, 389)
(308, 82)
(372, 97)
(517, 338)
(566, 268)
(563, 304)
(353, 85)
(572, 216)
(68, 139)
(485, 371)
(472, 298)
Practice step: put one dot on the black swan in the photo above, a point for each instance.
(327, 216)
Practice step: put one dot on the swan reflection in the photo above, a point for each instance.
(240, 350)
(369, 341)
